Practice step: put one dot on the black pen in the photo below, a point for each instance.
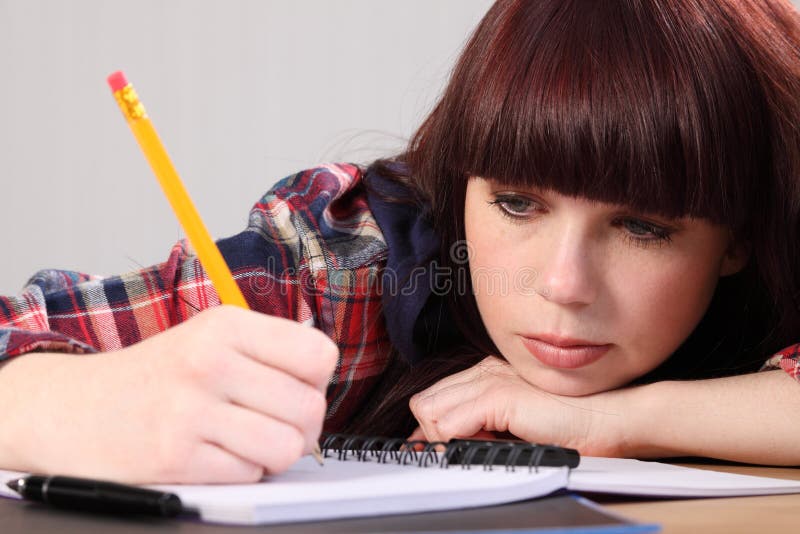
(96, 496)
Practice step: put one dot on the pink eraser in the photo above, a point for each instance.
(117, 81)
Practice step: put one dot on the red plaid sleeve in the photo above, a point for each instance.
(788, 359)
(312, 252)
(73, 312)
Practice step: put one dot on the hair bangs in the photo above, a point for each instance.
(614, 104)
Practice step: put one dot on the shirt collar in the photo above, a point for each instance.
(417, 318)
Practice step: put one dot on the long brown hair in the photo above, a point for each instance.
(678, 107)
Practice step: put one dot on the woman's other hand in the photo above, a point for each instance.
(491, 397)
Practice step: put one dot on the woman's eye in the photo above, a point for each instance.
(639, 227)
(514, 206)
(638, 232)
(643, 233)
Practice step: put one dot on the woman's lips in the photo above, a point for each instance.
(572, 356)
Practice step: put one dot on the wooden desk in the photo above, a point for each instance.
(770, 514)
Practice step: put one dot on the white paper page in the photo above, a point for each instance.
(351, 488)
(635, 477)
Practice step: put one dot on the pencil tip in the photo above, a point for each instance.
(317, 455)
(13, 484)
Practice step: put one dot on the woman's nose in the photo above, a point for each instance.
(567, 274)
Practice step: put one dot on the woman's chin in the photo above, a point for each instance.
(576, 390)
(570, 385)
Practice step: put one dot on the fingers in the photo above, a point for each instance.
(449, 412)
(211, 462)
(274, 393)
(255, 438)
(417, 435)
(303, 352)
(258, 383)
(464, 403)
(416, 441)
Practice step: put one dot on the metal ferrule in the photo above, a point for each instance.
(129, 103)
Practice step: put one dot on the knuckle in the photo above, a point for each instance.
(292, 448)
(313, 407)
(253, 474)
(413, 402)
(417, 404)
(324, 350)
(210, 316)
(218, 319)
(204, 367)
(170, 460)
(445, 429)
(322, 355)
(330, 351)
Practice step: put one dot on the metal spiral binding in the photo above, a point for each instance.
(404, 452)
(380, 449)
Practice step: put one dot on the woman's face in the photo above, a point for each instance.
(580, 296)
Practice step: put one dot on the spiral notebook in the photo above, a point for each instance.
(367, 477)
(372, 476)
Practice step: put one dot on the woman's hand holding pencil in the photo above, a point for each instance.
(210, 257)
(226, 396)
(213, 400)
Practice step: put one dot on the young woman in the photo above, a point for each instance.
(591, 241)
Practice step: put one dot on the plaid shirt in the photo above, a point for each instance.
(314, 251)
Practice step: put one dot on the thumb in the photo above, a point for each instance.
(417, 435)
(483, 434)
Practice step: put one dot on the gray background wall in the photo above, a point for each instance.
(243, 92)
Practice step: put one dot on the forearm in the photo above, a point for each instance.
(752, 418)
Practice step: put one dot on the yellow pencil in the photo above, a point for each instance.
(207, 251)
(209, 255)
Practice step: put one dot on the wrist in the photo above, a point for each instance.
(635, 420)
(650, 423)
(21, 379)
